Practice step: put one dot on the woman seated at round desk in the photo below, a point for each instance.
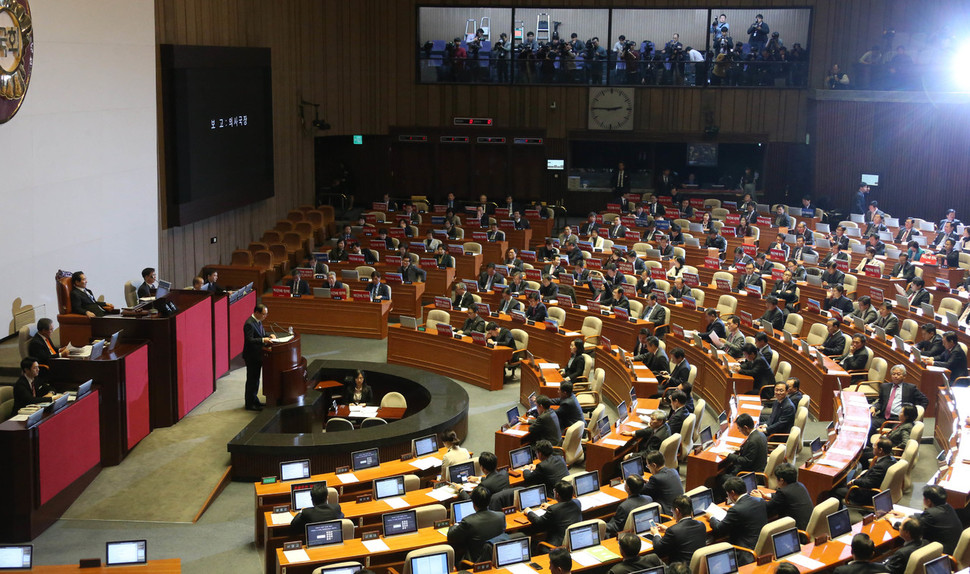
(455, 453)
(357, 392)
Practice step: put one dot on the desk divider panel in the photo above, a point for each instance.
(220, 336)
(137, 404)
(68, 445)
(193, 355)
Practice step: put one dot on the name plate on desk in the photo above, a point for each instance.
(872, 271)
(746, 319)
(691, 279)
(712, 262)
(370, 218)
(813, 306)
(594, 263)
(722, 284)
(456, 249)
(776, 254)
(478, 338)
(526, 255)
(689, 302)
(594, 307)
(658, 273)
(360, 295)
(625, 267)
(442, 303)
(677, 330)
(842, 265)
(661, 296)
(393, 260)
(506, 224)
(629, 289)
(532, 214)
(372, 535)
(777, 274)
(749, 250)
(567, 279)
(281, 291)
(632, 235)
(533, 274)
(621, 313)
(420, 247)
(502, 212)
(356, 258)
(518, 316)
(606, 342)
(733, 219)
(479, 236)
(762, 220)
(502, 270)
(613, 207)
(552, 325)
(597, 283)
(877, 295)
(439, 208)
(471, 285)
(428, 262)
(565, 301)
(697, 202)
(481, 566)
(394, 278)
(728, 231)
(753, 290)
(397, 232)
(444, 329)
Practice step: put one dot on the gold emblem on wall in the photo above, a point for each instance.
(16, 55)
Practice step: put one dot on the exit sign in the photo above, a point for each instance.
(358, 140)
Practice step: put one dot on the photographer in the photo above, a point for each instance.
(567, 62)
(630, 58)
(458, 62)
(720, 27)
(595, 56)
(503, 53)
(758, 34)
(836, 79)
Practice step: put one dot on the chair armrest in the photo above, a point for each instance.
(887, 425)
(466, 565)
(545, 544)
(748, 550)
(779, 434)
(559, 451)
(391, 570)
(858, 373)
(582, 380)
(582, 386)
(587, 339)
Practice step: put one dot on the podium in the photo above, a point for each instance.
(284, 372)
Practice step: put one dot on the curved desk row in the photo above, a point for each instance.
(347, 318)
(461, 358)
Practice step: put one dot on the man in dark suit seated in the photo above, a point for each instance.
(41, 347)
(652, 356)
(940, 521)
(714, 325)
(635, 499)
(469, 536)
(545, 426)
(762, 264)
(919, 294)
(298, 286)
(508, 304)
(930, 342)
(952, 358)
(410, 273)
(773, 314)
(653, 311)
(463, 299)
(856, 358)
(749, 277)
(536, 310)
(664, 484)
(28, 390)
(489, 277)
(682, 539)
(782, 414)
(753, 454)
(569, 411)
(547, 252)
(321, 511)
(520, 222)
(678, 411)
(492, 479)
(473, 323)
(756, 366)
(653, 436)
(559, 516)
(714, 240)
(863, 549)
(82, 299)
(548, 290)
(679, 372)
(865, 310)
(744, 520)
(550, 469)
(801, 250)
(785, 290)
(791, 498)
(677, 289)
(904, 269)
(148, 288)
(630, 544)
(834, 344)
(887, 320)
(911, 532)
(835, 297)
(499, 335)
(378, 290)
(494, 233)
(870, 478)
(832, 276)
(795, 393)
(369, 259)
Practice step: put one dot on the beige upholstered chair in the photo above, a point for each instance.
(698, 562)
(394, 399)
(921, 556)
(670, 448)
(727, 305)
(557, 313)
(588, 394)
(131, 294)
(24, 335)
(764, 545)
(591, 330)
(776, 457)
(436, 316)
(572, 444)
(428, 515)
(962, 552)
(817, 524)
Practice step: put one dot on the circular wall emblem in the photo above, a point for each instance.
(16, 55)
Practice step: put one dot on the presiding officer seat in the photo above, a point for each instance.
(75, 327)
(131, 294)
(24, 335)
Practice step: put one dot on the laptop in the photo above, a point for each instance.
(300, 495)
(630, 466)
(424, 445)
(939, 565)
(85, 388)
(882, 503)
(530, 497)
(397, 523)
(389, 487)
(815, 280)
(786, 543)
(97, 349)
(699, 501)
(692, 242)
(585, 536)
(822, 228)
(621, 412)
(459, 473)
(348, 569)
(348, 275)
(509, 552)
(645, 519)
(520, 457)
(324, 533)
(952, 320)
(750, 481)
(364, 459)
(587, 482)
(18, 557)
(839, 523)
(295, 469)
(822, 244)
(816, 446)
(113, 341)
(126, 551)
(436, 563)
(512, 415)
(461, 509)
(928, 310)
(723, 562)
(707, 436)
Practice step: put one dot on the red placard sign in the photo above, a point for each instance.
(657, 273)
(733, 219)
(691, 279)
(872, 271)
(281, 291)
(842, 265)
(360, 295)
(745, 317)
(712, 263)
(594, 263)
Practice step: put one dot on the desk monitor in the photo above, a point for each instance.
(388, 487)
(459, 473)
(630, 466)
(126, 551)
(622, 410)
(750, 481)
(585, 536)
(96, 350)
(816, 445)
(16, 557)
(951, 319)
(404, 522)
(424, 445)
(300, 495)
(509, 552)
(348, 569)
(928, 310)
(699, 501)
(882, 503)
(408, 322)
(113, 340)
(530, 497)
(633, 396)
(321, 292)
(430, 564)
(652, 253)
(603, 425)
(662, 569)
(34, 417)
(587, 482)
(723, 562)
(644, 520)
(769, 328)
(707, 435)
(460, 510)
(349, 275)
(532, 401)
(512, 416)
(692, 242)
(364, 459)
(902, 301)
(859, 323)
(815, 280)
(786, 543)
(295, 469)
(939, 565)
(59, 403)
(84, 388)
(839, 523)
(520, 457)
(324, 533)
(163, 288)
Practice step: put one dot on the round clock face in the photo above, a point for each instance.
(611, 109)
(16, 55)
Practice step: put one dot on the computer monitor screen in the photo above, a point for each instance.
(587, 482)
(662, 569)
(431, 564)
(459, 473)
(603, 425)
(839, 523)
(882, 503)
(461, 509)
(85, 388)
(520, 457)
(363, 459)
(644, 520)
(16, 557)
(404, 522)
(750, 480)
(113, 342)
(723, 562)
(512, 415)
(584, 537)
(939, 565)
(512, 552)
(163, 288)
(324, 533)
(532, 497)
(295, 469)
(701, 500)
(424, 445)
(349, 569)
(388, 487)
(632, 466)
(816, 445)
(786, 543)
(621, 411)
(707, 435)
(126, 552)
(300, 495)
(633, 395)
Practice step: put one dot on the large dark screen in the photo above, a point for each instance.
(218, 129)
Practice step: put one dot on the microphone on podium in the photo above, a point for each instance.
(281, 329)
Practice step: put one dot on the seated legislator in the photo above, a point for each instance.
(734, 340)
(298, 286)
(339, 252)
(321, 511)
(41, 347)
(855, 359)
(679, 541)
(454, 452)
(678, 410)
(940, 521)
(918, 293)
(834, 344)
(499, 335)
(619, 299)
(378, 290)
(28, 390)
(82, 299)
(950, 254)
(832, 276)
(536, 310)
(865, 310)
(547, 252)
(411, 273)
(652, 356)
(148, 287)
(836, 254)
(715, 241)
(489, 277)
(952, 357)
(473, 323)
(863, 550)
(753, 454)
(755, 365)
(653, 436)
(463, 299)
(790, 498)
(869, 259)
(492, 479)
(508, 303)
(369, 259)
(907, 232)
(741, 259)
(520, 222)
(211, 281)
(559, 516)
(887, 320)
(550, 469)
(431, 243)
(911, 532)
(835, 297)
(568, 236)
(781, 417)
(679, 372)
(545, 426)
(785, 289)
(569, 411)
(574, 255)
(469, 537)
(801, 249)
(869, 479)
(634, 499)
(331, 282)
(749, 277)
(780, 244)
(630, 544)
(678, 290)
(357, 392)
(744, 519)
(773, 315)
(645, 283)
(762, 264)
(443, 258)
(494, 233)
(795, 393)
(517, 285)
(664, 484)
(547, 289)
(577, 364)
(512, 261)
(714, 325)
(197, 283)
(930, 342)
(898, 434)
(904, 269)
(798, 271)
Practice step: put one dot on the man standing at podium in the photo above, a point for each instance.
(255, 339)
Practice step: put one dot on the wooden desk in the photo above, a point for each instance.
(165, 566)
(405, 297)
(605, 455)
(236, 276)
(704, 467)
(438, 282)
(348, 318)
(520, 239)
(951, 414)
(481, 366)
(386, 413)
(494, 251)
(467, 266)
(121, 377)
(821, 476)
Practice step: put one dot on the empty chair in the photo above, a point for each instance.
(910, 454)
(364, 270)
(817, 524)
(793, 324)
(394, 399)
(712, 203)
(783, 373)
(572, 444)
(670, 448)
(436, 316)
(241, 257)
(588, 393)
(591, 329)
(24, 335)
(429, 514)
(636, 307)
(521, 348)
(687, 435)
(908, 329)
(851, 282)
(557, 313)
(473, 247)
(962, 552)
(698, 295)
(596, 415)
(372, 422)
(727, 305)
(429, 551)
(876, 375)
(335, 424)
(729, 277)
(775, 458)
(817, 334)
(952, 305)
(131, 294)
(699, 406)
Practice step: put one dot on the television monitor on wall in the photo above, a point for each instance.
(702, 154)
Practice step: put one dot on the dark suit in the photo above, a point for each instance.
(754, 279)
(676, 419)
(497, 235)
(743, 523)
(569, 411)
(635, 564)
(890, 323)
(379, 291)
(622, 511)
(496, 481)
(544, 427)
(843, 303)
(313, 514)
(931, 347)
(82, 300)
(955, 360)
(679, 375)
(485, 282)
(867, 316)
(556, 520)
(462, 301)
(681, 540)
(548, 292)
(366, 394)
(716, 327)
(298, 286)
(774, 316)
(908, 272)
(505, 338)
(537, 313)
(782, 417)
(469, 536)
(792, 500)
(855, 361)
(664, 486)
(920, 297)
(941, 524)
(522, 223)
(575, 367)
(751, 457)
(896, 563)
(508, 306)
(834, 278)
(866, 481)
(38, 348)
(834, 344)
(253, 334)
(620, 182)
(786, 292)
(760, 370)
(860, 567)
(656, 362)
(652, 437)
(656, 314)
(547, 472)
(24, 394)
(475, 323)
(146, 290)
(446, 260)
